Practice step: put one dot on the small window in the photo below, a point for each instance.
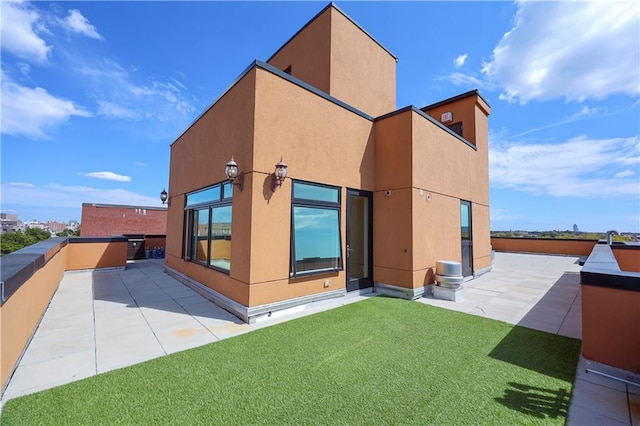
(456, 128)
(315, 229)
(288, 70)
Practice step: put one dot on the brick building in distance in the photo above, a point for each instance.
(145, 227)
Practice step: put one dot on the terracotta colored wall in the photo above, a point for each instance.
(444, 164)
(218, 281)
(481, 236)
(628, 259)
(427, 199)
(308, 53)
(106, 221)
(292, 122)
(21, 313)
(96, 255)
(363, 74)
(471, 111)
(198, 159)
(337, 57)
(176, 222)
(547, 246)
(610, 319)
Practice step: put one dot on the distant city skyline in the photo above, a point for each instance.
(89, 107)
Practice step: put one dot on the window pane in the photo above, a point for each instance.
(316, 238)
(200, 235)
(227, 191)
(465, 223)
(204, 196)
(314, 192)
(221, 238)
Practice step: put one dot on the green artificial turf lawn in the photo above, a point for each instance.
(381, 360)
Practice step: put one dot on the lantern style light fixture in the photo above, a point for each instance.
(164, 196)
(231, 172)
(278, 175)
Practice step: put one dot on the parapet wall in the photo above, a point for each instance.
(543, 245)
(611, 310)
(30, 278)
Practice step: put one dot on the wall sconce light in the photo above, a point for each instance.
(278, 175)
(164, 196)
(231, 171)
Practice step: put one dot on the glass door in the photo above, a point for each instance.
(467, 242)
(359, 240)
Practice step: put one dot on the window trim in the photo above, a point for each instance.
(310, 203)
(190, 210)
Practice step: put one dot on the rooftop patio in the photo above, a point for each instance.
(107, 319)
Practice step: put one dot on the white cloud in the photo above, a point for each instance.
(583, 113)
(141, 164)
(624, 173)
(22, 184)
(570, 50)
(114, 110)
(579, 167)
(31, 111)
(76, 22)
(19, 32)
(108, 176)
(461, 79)
(119, 94)
(459, 61)
(55, 195)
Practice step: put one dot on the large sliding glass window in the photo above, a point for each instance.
(209, 226)
(315, 234)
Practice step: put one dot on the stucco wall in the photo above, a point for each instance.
(22, 312)
(546, 246)
(92, 255)
(337, 57)
(628, 258)
(470, 110)
(363, 74)
(610, 319)
(308, 53)
(198, 159)
(23, 309)
(292, 123)
(428, 172)
(265, 116)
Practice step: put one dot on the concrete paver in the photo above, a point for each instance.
(106, 319)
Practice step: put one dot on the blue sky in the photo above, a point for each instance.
(93, 94)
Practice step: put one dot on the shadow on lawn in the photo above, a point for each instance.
(535, 401)
(549, 354)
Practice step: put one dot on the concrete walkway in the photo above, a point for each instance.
(104, 320)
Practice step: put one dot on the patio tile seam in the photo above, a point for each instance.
(182, 306)
(140, 311)
(566, 315)
(95, 331)
(198, 321)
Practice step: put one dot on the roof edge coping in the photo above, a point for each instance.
(457, 98)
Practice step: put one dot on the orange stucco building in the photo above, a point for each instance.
(373, 195)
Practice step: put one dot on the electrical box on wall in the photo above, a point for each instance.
(446, 117)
